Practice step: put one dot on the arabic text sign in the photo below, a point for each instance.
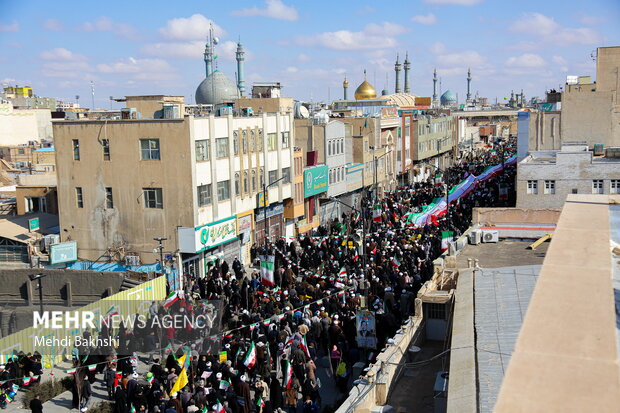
(315, 180)
(212, 235)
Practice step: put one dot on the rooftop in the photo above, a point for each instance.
(566, 356)
(489, 309)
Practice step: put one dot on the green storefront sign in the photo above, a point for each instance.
(216, 233)
(315, 180)
(63, 252)
(33, 224)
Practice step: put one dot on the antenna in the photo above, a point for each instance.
(92, 91)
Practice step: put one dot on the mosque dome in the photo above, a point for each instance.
(216, 89)
(365, 91)
(448, 98)
(402, 99)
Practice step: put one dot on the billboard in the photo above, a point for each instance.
(315, 180)
(63, 252)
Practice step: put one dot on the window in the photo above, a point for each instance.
(236, 143)
(253, 144)
(272, 141)
(615, 186)
(79, 197)
(286, 175)
(299, 193)
(237, 184)
(273, 176)
(204, 195)
(244, 141)
(597, 186)
(76, 149)
(549, 187)
(109, 201)
(202, 150)
(341, 146)
(223, 190)
(259, 141)
(253, 181)
(153, 198)
(331, 177)
(21, 151)
(532, 187)
(329, 149)
(149, 149)
(261, 177)
(105, 143)
(221, 147)
(245, 182)
(286, 139)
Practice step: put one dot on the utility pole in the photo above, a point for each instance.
(39, 277)
(92, 91)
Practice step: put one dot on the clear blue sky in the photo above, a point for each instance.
(155, 47)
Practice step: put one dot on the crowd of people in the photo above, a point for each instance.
(278, 340)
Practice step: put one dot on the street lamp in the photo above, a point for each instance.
(39, 277)
(266, 204)
(161, 251)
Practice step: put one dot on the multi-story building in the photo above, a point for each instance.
(197, 182)
(545, 178)
(585, 111)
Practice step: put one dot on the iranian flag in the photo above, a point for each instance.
(219, 408)
(304, 346)
(171, 299)
(133, 409)
(395, 262)
(260, 402)
(92, 367)
(376, 213)
(250, 358)
(288, 378)
(446, 237)
(71, 371)
(342, 273)
(267, 265)
(27, 380)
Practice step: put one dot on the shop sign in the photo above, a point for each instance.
(272, 211)
(315, 180)
(212, 235)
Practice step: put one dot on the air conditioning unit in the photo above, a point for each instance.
(133, 260)
(491, 235)
(50, 240)
(474, 237)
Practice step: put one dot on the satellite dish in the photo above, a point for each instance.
(303, 112)
(216, 40)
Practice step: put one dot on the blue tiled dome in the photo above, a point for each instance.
(448, 98)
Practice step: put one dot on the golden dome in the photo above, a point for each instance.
(345, 83)
(365, 91)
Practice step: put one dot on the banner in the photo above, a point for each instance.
(366, 329)
(430, 213)
(266, 270)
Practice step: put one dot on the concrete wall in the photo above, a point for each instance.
(17, 127)
(489, 216)
(587, 115)
(85, 286)
(570, 171)
(129, 224)
(544, 131)
(151, 107)
(607, 74)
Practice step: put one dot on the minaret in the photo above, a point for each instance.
(240, 70)
(397, 67)
(468, 85)
(209, 53)
(407, 66)
(345, 87)
(435, 88)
